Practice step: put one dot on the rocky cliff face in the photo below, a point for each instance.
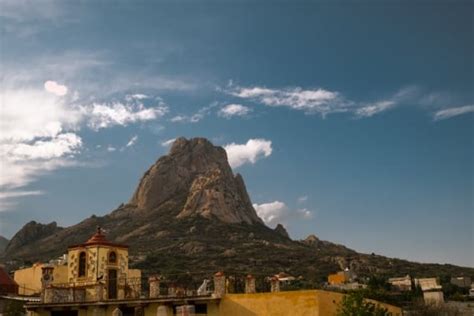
(199, 171)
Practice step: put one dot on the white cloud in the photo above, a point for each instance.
(302, 199)
(305, 213)
(8, 199)
(56, 147)
(111, 148)
(276, 212)
(132, 141)
(137, 96)
(271, 213)
(168, 142)
(55, 88)
(374, 108)
(104, 115)
(250, 152)
(193, 118)
(37, 134)
(27, 114)
(231, 110)
(16, 174)
(310, 101)
(322, 101)
(409, 93)
(451, 112)
(39, 128)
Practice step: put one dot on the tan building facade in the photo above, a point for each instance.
(29, 279)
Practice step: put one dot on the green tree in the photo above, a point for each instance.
(353, 304)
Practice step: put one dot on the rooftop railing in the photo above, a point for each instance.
(161, 287)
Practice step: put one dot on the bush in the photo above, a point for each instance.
(353, 304)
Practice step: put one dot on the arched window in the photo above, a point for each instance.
(82, 264)
(112, 257)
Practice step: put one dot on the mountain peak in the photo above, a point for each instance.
(196, 177)
(282, 230)
(30, 232)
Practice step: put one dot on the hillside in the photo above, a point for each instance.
(3, 244)
(190, 213)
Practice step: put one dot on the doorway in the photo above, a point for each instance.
(112, 284)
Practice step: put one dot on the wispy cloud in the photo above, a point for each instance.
(168, 142)
(317, 100)
(374, 108)
(302, 199)
(452, 112)
(250, 152)
(232, 110)
(193, 118)
(132, 141)
(322, 101)
(9, 199)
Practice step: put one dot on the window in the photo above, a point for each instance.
(112, 257)
(82, 264)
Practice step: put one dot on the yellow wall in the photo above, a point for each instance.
(97, 266)
(97, 262)
(134, 273)
(302, 303)
(29, 279)
(297, 303)
(337, 278)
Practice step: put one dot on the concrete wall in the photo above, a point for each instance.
(435, 297)
(298, 303)
(29, 279)
(303, 303)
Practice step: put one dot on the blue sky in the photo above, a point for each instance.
(349, 120)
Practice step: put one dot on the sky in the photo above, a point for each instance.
(350, 120)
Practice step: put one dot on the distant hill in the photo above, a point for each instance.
(190, 213)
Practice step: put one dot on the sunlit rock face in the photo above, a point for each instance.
(200, 171)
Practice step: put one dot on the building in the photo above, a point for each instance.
(463, 281)
(93, 289)
(29, 279)
(402, 284)
(341, 277)
(432, 290)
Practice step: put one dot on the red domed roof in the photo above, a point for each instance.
(98, 239)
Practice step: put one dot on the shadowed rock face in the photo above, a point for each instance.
(200, 171)
(280, 229)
